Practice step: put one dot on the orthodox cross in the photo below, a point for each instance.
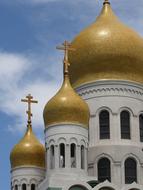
(66, 47)
(29, 100)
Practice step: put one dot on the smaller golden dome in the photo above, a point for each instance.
(28, 152)
(66, 106)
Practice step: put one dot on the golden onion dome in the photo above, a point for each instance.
(28, 152)
(66, 107)
(107, 49)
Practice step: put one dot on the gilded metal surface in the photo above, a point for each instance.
(66, 106)
(66, 47)
(29, 100)
(106, 50)
(28, 152)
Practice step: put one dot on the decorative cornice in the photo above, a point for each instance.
(111, 90)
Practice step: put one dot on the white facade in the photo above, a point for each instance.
(26, 176)
(114, 96)
(77, 163)
(66, 169)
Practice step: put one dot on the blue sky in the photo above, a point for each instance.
(29, 62)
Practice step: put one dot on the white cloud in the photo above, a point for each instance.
(14, 86)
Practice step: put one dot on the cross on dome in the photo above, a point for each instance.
(66, 47)
(29, 100)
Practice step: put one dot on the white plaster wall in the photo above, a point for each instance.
(67, 134)
(114, 96)
(27, 175)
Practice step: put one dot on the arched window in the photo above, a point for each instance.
(141, 127)
(106, 188)
(82, 157)
(130, 171)
(62, 156)
(104, 125)
(52, 157)
(125, 125)
(24, 186)
(104, 170)
(33, 187)
(16, 187)
(78, 187)
(73, 155)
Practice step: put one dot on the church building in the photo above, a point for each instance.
(94, 124)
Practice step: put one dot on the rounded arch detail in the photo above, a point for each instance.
(124, 108)
(139, 113)
(106, 184)
(15, 182)
(103, 155)
(23, 180)
(51, 142)
(78, 183)
(104, 108)
(133, 186)
(132, 156)
(73, 140)
(61, 140)
(82, 142)
(33, 180)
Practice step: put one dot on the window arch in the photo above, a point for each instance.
(23, 186)
(16, 187)
(106, 188)
(125, 124)
(62, 156)
(141, 127)
(104, 125)
(82, 157)
(104, 170)
(52, 157)
(78, 187)
(33, 187)
(130, 171)
(73, 155)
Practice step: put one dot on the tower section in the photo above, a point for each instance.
(27, 158)
(107, 71)
(66, 118)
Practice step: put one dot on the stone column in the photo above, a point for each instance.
(93, 132)
(48, 158)
(115, 128)
(57, 156)
(67, 156)
(116, 173)
(135, 131)
(85, 158)
(78, 157)
(28, 187)
(19, 187)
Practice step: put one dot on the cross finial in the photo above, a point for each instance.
(66, 47)
(29, 100)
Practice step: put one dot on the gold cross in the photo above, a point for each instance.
(66, 46)
(29, 100)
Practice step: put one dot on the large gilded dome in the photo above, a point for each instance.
(107, 49)
(28, 152)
